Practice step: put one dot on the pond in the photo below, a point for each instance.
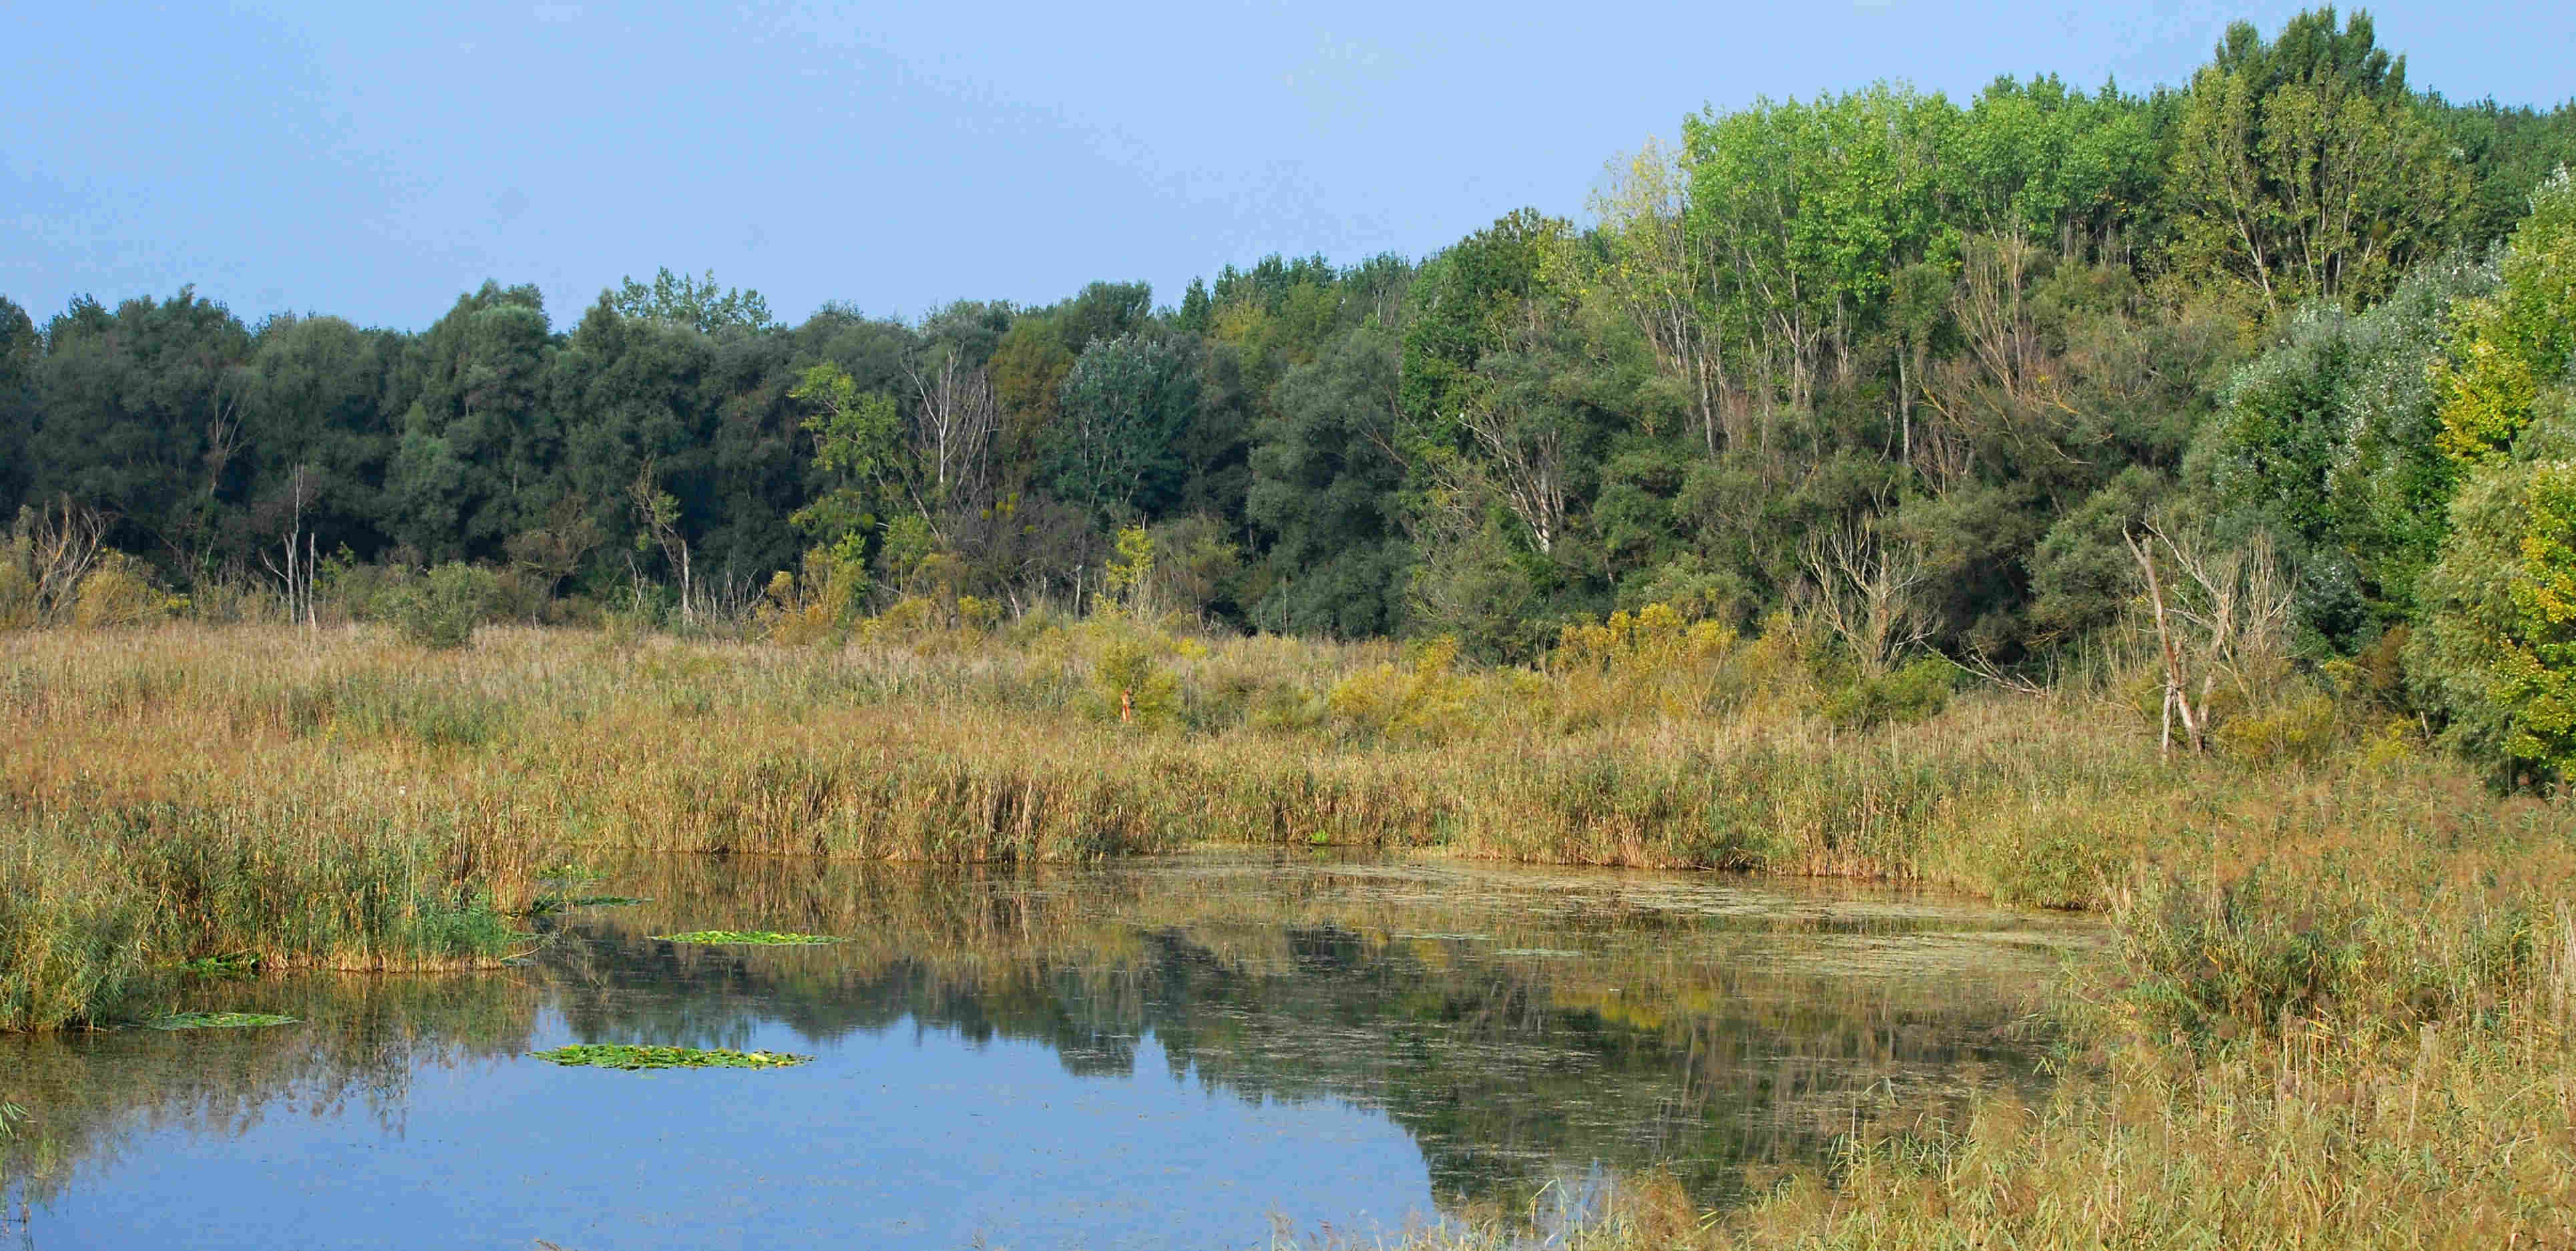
(1197, 1051)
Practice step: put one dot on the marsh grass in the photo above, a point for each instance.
(630, 1057)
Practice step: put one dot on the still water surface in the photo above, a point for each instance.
(1176, 1053)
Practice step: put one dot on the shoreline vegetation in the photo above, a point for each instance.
(2337, 1008)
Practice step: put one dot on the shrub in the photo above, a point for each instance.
(817, 607)
(1913, 693)
(441, 609)
(1133, 687)
(2303, 728)
(119, 592)
(1425, 699)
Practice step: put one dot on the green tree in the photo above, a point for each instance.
(2329, 441)
(479, 440)
(2304, 169)
(1125, 406)
(20, 350)
(2497, 649)
(699, 304)
(142, 416)
(857, 440)
(1327, 482)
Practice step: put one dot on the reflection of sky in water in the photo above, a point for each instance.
(1159, 1054)
(900, 1139)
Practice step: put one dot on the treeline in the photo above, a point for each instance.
(1936, 375)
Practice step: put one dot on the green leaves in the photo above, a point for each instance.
(2303, 169)
(632, 1058)
(218, 1020)
(748, 938)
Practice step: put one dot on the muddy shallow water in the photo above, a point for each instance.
(1182, 1052)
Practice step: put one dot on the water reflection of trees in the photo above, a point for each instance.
(357, 1044)
(1668, 1038)
(1512, 1029)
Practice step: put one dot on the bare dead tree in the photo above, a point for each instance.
(1867, 591)
(1527, 467)
(956, 415)
(300, 557)
(63, 543)
(2225, 616)
(660, 515)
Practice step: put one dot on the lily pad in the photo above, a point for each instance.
(218, 1020)
(629, 1057)
(748, 938)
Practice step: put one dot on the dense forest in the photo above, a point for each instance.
(1943, 376)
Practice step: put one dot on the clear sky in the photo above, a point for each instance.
(376, 160)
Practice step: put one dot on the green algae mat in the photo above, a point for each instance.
(748, 938)
(218, 1020)
(624, 1056)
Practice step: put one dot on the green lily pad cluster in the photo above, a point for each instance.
(630, 1057)
(748, 938)
(218, 1020)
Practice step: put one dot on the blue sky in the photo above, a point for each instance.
(375, 161)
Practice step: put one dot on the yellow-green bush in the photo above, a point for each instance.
(2303, 727)
(815, 608)
(119, 592)
(1423, 700)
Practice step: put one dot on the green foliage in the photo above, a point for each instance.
(1915, 691)
(218, 1020)
(856, 441)
(818, 607)
(1129, 572)
(2329, 439)
(697, 303)
(1130, 684)
(2303, 169)
(2508, 352)
(748, 938)
(119, 592)
(2497, 647)
(1125, 405)
(630, 1057)
(1425, 699)
(440, 609)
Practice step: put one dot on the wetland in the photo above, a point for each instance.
(1169, 1051)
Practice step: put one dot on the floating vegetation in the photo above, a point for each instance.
(547, 905)
(228, 966)
(630, 1057)
(748, 938)
(218, 1020)
(570, 873)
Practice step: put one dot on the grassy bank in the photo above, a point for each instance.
(351, 802)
